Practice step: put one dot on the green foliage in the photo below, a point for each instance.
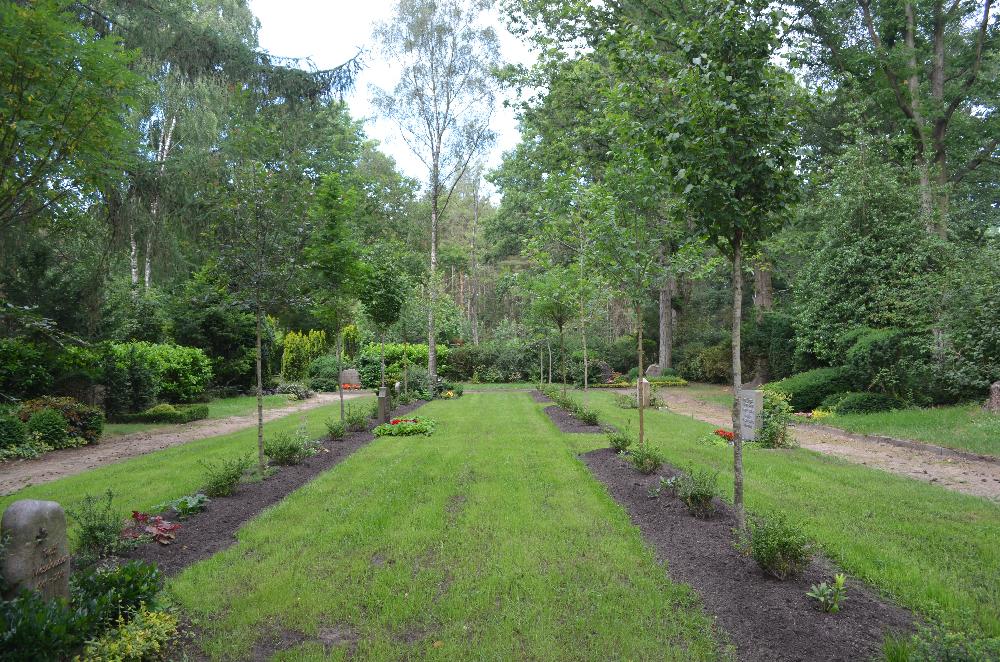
(120, 591)
(777, 545)
(99, 527)
(49, 427)
(222, 477)
(286, 449)
(83, 421)
(23, 369)
(324, 373)
(506, 360)
(405, 427)
(12, 431)
(300, 350)
(139, 372)
(34, 628)
(357, 417)
(145, 636)
(807, 390)
(645, 458)
(619, 441)
(626, 401)
(864, 403)
(712, 364)
(891, 361)
(938, 644)
(667, 381)
(415, 355)
(830, 596)
(698, 488)
(185, 506)
(774, 428)
(296, 390)
(130, 382)
(771, 339)
(167, 413)
(336, 428)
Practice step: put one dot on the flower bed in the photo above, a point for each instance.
(404, 427)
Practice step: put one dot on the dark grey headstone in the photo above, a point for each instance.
(384, 406)
(350, 376)
(37, 554)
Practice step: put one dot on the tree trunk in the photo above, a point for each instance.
(541, 367)
(133, 257)
(638, 380)
(340, 369)
(586, 381)
(473, 299)
(548, 343)
(431, 335)
(406, 366)
(261, 464)
(763, 302)
(562, 357)
(737, 381)
(147, 271)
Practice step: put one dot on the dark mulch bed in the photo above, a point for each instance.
(538, 396)
(215, 528)
(767, 619)
(566, 422)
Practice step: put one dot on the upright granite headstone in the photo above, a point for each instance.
(397, 387)
(383, 405)
(644, 392)
(654, 370)
(992, 404)
(751, 414)
(350, 376)
(37, 553)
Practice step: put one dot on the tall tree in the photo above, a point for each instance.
(442, 102)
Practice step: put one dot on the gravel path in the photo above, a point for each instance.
(961, 474)
(70, 461)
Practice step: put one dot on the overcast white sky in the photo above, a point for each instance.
(332, 31)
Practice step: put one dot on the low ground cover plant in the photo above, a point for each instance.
(49, 427)
(286, 449)
(222, 477)
(186, 506)
(336, 428)
(645, 458)
(777, 545)
(830, 596)
(937, 643)
(145, 527)
(667, 381)
(99, 528)
(82, 421)
(403, 427)
(697, 488)
(297, 390)
(861, 403)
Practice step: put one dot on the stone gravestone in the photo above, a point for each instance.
(397, 387)
(37, 553)
(383, 405)
(654, 370)
(350, 376)
(644, 392)
(993, 402)
(751, 413)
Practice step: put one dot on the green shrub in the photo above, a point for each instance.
(865, 403)
(299, 351)
(297, 390)
(120, 590)
(12, 431)
(50, 428)
(619, 441)
(645, 458)
(146, 636)
(34, 628)
(23, 369)
(774, 421)
(83, 421)
(697, 488)
(167, 413)
(667, 381)
(778, 546)
(137, 373)
(336, 428)
(586, 415)
(807, 390)
(357, 417)
(416, 355)
(830, 402)
(286, 449)
(712, 364)
(99, 527)
(222, 477)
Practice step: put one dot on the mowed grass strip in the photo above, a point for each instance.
(242, 405)
(488, 540)
(932, 550)
(143, 482)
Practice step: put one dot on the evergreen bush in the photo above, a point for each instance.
(807, 390)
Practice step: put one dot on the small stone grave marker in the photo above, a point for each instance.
(350, 376)
(644, 392)
(397, 387)
(751, 414)
(654, 370)
(383, 405)
(37, 553)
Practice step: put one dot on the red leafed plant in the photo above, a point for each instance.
(725, 434)
(154, 526)
(397, 421)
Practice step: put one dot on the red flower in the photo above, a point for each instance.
(725, 434)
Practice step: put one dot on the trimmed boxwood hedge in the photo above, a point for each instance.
(865, 403)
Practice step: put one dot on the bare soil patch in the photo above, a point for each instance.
(70, 461)
(214, 529)
(766, 619)
(951, 470)
(538, 396)
(566, 422)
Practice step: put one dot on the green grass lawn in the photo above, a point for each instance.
(242, 405)
(143, 482)
(713, 393)
(485, 541)
(934, 551)
(965, 427)
(510, 386)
